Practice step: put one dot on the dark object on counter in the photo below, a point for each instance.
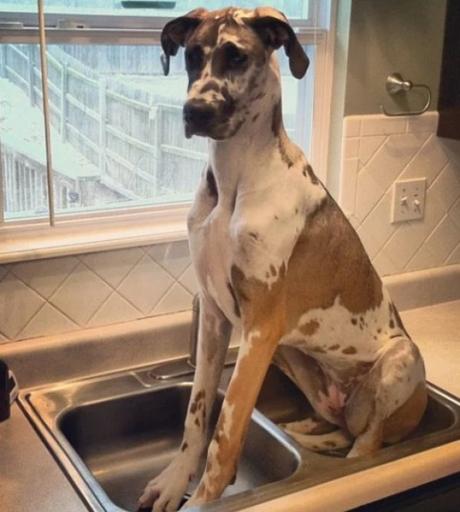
(449, 88)
(4, 391)
(8, 390)
(148, 4)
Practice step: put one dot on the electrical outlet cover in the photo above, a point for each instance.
(408, 200)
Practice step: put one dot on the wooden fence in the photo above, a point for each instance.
(25, 189)
(133, 136)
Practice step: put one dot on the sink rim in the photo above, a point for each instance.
(303, 477)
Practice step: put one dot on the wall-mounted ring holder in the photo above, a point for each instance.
(395, 84)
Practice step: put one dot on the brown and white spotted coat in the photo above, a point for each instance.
(277, 260)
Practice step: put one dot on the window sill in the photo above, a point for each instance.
(32, 242)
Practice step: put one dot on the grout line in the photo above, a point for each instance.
(36, 314)
(29, 321)
(144, 315)
(73, 320)
(114, 290)
(162, 297)
(438, 176)
(425, 240)
(10, 272)
(46, 299)
(450, 254)
(191, 265)
(162, 266)
(379, 147)
(131, 270)
(93, 314)
(6, 337)
(114, 287)
(389, 253)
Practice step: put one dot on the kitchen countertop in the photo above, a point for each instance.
(31, 480)
(436, 330)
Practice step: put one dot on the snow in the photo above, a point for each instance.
(22, 129)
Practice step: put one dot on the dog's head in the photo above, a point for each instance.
(227, 54)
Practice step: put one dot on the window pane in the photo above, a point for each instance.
(292, 8)
(117, 134)
(22, 139)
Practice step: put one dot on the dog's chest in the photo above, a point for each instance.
(213, 255)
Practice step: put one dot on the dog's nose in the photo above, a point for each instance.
(198, 113)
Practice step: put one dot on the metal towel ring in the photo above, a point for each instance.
(395, 84)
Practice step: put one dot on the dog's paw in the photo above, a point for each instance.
(193, 501)
(188, 504)
(164, 493)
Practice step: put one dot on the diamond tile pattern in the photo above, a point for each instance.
(393, 149)
(58, 295)
(18, 303)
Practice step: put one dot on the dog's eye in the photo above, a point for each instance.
(194, 57)
(235, 57)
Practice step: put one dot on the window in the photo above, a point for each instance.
(116, 123)
(296, 10)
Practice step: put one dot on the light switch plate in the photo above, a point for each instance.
(408, 200)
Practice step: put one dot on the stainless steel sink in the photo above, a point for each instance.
(127, 440)
(113, 433)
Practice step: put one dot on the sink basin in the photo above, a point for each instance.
(126, 441)
(113, 433)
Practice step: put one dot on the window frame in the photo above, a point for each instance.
(318, 11)
(79, 232)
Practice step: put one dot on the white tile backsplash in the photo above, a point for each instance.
(446, 186)
(145, 284)
(81, 294)
(368, 147)
(428, 162)
(381, 125)
(454, 213)
(115, 308)
(59, 295)
(393, 149)
(113, 266)
(174, 258)
(47, 321)
(18, 303)
(177, 298)
(188, 280)
(44, 276)
(454, 257)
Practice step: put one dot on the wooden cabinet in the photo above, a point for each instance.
(449, 90)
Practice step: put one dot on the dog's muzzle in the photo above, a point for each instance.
(198, 118)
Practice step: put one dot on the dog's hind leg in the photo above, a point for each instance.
(336, 440)
(311, 425)
(390, 402)
(304, 371)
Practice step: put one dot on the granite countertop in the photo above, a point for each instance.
(31, 480)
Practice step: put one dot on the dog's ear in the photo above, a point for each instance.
(275, 33)
(176, 32)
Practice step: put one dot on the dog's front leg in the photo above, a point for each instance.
(165, 491)
(262, 328)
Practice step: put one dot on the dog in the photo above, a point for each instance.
(276, 258)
